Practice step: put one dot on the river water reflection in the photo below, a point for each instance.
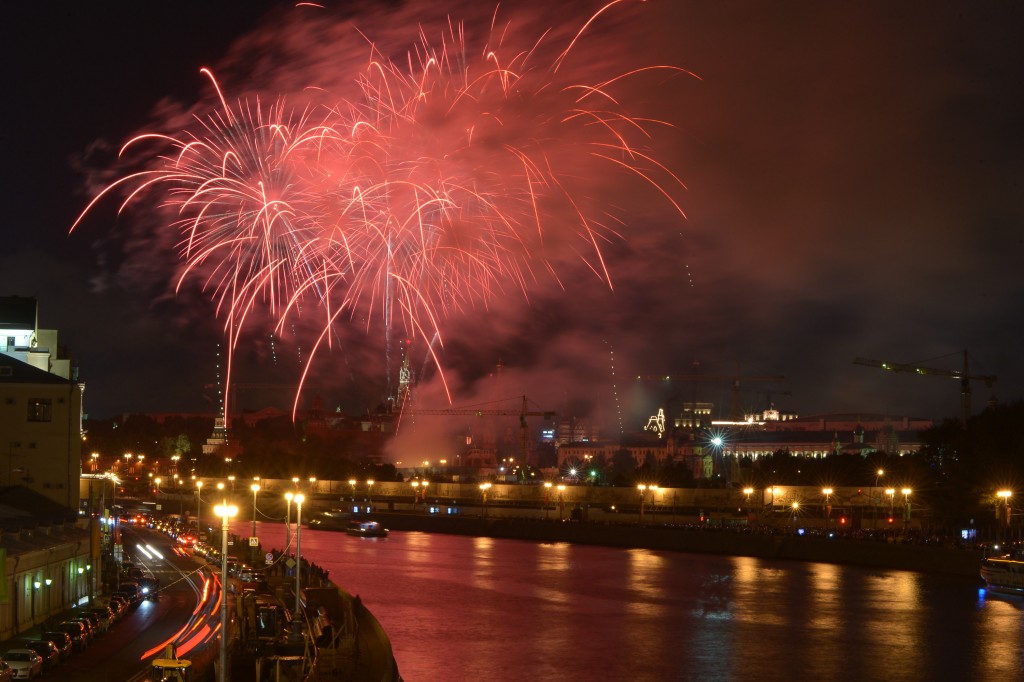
(463, 608)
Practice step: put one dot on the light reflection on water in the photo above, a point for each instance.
(462, 608)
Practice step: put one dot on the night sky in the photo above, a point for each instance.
(853, 184)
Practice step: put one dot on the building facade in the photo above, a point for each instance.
(40, 407)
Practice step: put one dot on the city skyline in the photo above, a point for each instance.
(851, 176)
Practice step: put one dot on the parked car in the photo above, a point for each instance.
(26, 663)
(79, 637)
(119, 603)
(105, 615)
(91, 618)
(6, 671)
(61, 640)
(90, 631)
(46, 649)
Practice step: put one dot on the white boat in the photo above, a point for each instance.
(1003, 574)
(367, 529)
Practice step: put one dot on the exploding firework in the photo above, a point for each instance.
(433, 184)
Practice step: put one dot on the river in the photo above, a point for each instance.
(464, 608)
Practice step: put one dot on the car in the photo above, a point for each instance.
(120, 603)
(26, 663)
(61, 640)
(79, 637)
(105, 614)
(150, 587)
(90, 630)
(91, 618)
(46, 649)
(104, 618)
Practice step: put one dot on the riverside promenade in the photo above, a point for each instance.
(761, 542)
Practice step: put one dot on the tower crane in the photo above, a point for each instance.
(735, 380)
(963, 375)
(523, 412)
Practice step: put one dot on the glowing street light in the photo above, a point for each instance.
(298, 549)
(352, 482)
(369, 495)
(255, 487)
(288, 496)
(484, 487)
(1004, 513)
(906, 506)
(225, 512)
(547, 495)
(199, 506)
(827, 492)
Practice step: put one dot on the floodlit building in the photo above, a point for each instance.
(40, 407)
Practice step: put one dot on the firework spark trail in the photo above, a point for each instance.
(444, 178)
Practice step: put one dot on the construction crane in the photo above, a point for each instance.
(735, 381)
(963, 375)
(523, 412)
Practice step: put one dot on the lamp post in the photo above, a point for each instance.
(547, 495)
(298, 548)
(352, 482)
(642, 488)
(225, 512)
(796, 508)
(1004, 514)
(199, 508)
(369, 495)
(288, 497)
(748, 492)
(827, 492)
(561, 501)
(484, 487)
(906, 507)
(48, 581)
(415, 493)
(255, 487)
(424, 486)
(878, 502)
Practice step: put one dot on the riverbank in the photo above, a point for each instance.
(923, 558)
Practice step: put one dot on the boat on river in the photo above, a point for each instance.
(367, 529)
(1003, 574)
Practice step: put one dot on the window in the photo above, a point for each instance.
(40, 410)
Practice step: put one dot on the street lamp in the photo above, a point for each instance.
(561, 501)
(352, 482)
(906, 507)
(878, 475)
(547, 495)
(369, 495)
(748, 492)
(225, 512)
(642, 488)
(1004, 513)
(827, 492)
(484, 487)
(298, 548)
(255, 487)
(199, 507)
(415, 493)
(288, 496)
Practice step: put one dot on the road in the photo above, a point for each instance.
(125, 652)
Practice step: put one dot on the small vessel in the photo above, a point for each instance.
(367, 529)
(1003, 574)
(335, 519)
